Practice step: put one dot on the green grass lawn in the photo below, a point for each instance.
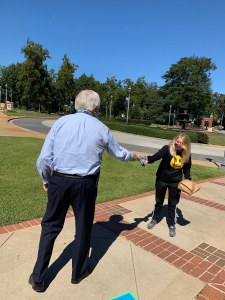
(217, 140)
(23, 198)
(24, 113)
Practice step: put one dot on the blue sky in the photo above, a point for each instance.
(126, 39)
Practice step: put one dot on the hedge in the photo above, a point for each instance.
(130, 121)
(135, 121)
(139, 130)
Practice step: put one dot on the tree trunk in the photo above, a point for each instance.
(39, 109)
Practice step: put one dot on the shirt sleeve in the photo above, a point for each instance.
(158, 155)
(46, 156)
(187, 169)
(116, 151)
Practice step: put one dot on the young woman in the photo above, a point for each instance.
(176, 159)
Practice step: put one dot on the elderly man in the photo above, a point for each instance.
(73, 151)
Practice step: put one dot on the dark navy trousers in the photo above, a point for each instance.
(173, 199)
(81, 194)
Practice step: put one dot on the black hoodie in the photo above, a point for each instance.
(170, 168)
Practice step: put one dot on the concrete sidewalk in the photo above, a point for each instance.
(9, 129)
(125, 255)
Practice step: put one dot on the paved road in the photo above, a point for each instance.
(130, 141)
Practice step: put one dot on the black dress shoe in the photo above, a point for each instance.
(86, 273)
(37, 286)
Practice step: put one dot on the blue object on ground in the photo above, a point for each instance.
(127, 296)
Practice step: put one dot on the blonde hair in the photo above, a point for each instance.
(186, 147)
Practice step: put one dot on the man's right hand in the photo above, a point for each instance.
(45, 187)
(135, 157)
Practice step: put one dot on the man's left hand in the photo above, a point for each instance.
(45, 187)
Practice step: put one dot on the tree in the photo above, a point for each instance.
(65, 81)
(136, 113)
(219, 105)
(151, 102)
(51, 85)
(85, 83)
(10, 76)
(33, 75)
(188, 84)
(138, 92)
(111, 87)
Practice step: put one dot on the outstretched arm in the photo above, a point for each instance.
(118, 152)
(158, 155)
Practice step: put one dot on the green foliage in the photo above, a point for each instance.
(24, 113)
(202, 138)
(130, 121)
(85, 83)
(219, 107)
(10, 76)
(135, 113)
(65, 81)
(188, 84)
(139, 130)
(33, 75)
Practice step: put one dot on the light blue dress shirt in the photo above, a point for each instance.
(75, 145)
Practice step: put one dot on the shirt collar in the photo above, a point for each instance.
(83, 111)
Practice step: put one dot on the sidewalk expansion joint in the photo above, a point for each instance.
(135, 277)
(6, 240)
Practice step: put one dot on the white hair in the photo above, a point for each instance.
(87, 99)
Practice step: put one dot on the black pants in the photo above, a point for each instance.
(173, 199)
(81, 193)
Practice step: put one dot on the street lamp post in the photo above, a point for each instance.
(222, 120)
(129, 91)
(110, 105)
(11, 94)
(0, 94)
(6, 97)
(59, 106)
(106, 107)
(169, 115)
(174, 115)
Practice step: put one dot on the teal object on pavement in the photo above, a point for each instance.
(127, 296)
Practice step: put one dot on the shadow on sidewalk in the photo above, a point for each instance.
(180, 218)
(101, 240)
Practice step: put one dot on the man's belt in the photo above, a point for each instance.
(75, 176)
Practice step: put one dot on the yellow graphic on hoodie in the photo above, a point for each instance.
(176, 162)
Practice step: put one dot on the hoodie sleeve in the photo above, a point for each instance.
(158, 155)
(187, 169)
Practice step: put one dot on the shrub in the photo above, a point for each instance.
(130, 121)
(139, 130)
(135, 113)
(202, 138)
